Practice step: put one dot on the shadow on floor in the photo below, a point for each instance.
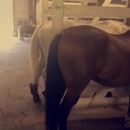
(97, 124)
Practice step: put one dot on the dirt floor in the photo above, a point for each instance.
(17, 110)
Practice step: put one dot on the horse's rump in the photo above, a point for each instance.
(107, 55)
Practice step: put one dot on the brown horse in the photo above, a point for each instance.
(28, 29)
(76, 56)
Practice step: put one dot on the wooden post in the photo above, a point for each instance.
(128, 19)
(44, 10)
(57, 16)
(34, 11)
(30, 11)
(40, 12)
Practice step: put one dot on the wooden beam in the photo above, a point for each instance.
(57, 16)
(77, 17)
(96, 19)
(74, 1)
(30, 11)
(44, 10)
(73, 10)
(83, 102)
(39, 20)
(117, 5)
(128, 19)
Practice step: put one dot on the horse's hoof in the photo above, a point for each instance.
(34, 92)
(127, 125)
(44, 93)
(36, 99)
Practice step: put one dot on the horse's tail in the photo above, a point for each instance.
(55, 86)
(36, 56)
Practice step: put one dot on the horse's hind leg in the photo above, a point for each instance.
(70, 99)
(34, 88)
(21, 36)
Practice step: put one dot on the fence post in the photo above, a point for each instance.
(57, 16)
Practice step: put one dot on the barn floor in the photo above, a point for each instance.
(17, 110)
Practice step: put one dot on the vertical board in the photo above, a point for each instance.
(45, 10)
(57, 16)
(39, 12)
